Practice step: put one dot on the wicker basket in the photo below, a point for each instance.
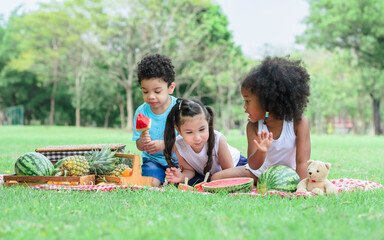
(10, 180)
(135, 179)
(55, 153)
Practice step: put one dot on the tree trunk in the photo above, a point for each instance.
(52, 110)
(220, 96)
(128, 91)
(77, 116)
(122, 115)
(376, 116)
(106, 118)
(229, 102)
(120, 103)
(53, 94)
(77, 96)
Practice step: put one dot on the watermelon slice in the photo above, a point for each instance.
(184, 186)
(230, 185)
(143, 123)
(199, 186)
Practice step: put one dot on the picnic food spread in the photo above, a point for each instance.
(33, 167)
(106, 165)
(97, 162)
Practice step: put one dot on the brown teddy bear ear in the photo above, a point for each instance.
(328, 165)
(309, 162)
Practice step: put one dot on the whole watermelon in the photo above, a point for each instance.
(278, 178)
(33, 164)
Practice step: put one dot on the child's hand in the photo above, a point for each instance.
(154, 146)
(145, 137)
(263, 141)
(173, 175)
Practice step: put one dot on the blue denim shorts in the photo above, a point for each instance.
(154, 169)
(242, 161)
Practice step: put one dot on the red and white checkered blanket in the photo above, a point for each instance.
(343, 184)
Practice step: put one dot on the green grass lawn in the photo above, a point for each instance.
(126, 214)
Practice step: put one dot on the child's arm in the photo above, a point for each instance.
(154, 146)
(258, 145)
(144, 139)
(174, 175)
(144, 143)
(225, 157)
(303, 147)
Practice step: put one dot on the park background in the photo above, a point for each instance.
(73, 62)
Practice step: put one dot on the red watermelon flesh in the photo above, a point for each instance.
(231, 185)
(199, 187)
(143, 123)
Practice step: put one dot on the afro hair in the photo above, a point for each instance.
(282, 86)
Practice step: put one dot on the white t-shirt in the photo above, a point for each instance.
(281, 152)
(199, 160)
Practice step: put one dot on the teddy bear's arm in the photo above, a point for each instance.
(302, 186)
(330, 188)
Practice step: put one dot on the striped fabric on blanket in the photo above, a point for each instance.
(343, 184)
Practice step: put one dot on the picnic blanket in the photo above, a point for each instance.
(343, 185)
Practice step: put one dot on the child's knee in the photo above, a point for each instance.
(156, 182)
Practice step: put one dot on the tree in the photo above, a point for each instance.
(355, 25)
(80, 57)
(85, 53)
(42, 47)
(334, 88)
(19, 88)
(189, 32)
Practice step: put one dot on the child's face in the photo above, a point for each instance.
(195, 131)
(252, 106)
(156, 94)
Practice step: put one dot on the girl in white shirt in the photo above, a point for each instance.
(275, 97)
(198, 147)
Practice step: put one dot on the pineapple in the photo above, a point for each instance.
(101, 162)
(72, 166)
(126, 161)
(96, 162)
(118, 171)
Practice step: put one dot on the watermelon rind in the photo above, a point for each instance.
(236, 188)
(278, 178)
(33, 164)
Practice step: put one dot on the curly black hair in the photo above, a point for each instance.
(156, 66)
(282, 86)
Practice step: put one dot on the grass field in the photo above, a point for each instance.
(34, 214)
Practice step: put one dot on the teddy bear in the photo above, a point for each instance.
(317, 181)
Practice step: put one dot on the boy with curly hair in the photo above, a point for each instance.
(156, 77)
